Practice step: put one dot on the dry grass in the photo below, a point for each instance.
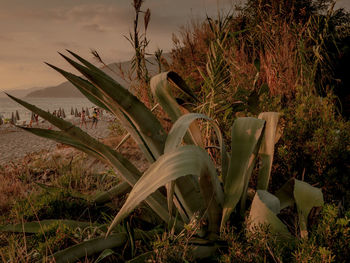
(284, 40)
(18, 179)
(11, 187)
(190, 51)
(66, 169)
(278, 60)
(129, 150)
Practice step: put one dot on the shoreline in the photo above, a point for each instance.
(16, 143)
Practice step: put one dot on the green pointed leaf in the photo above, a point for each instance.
(97, 245)
(266, 151)
(98, 97)
(107, 196)
(186, 188)
(105, 253)
(181, 126)
(36, 227)
(177, 134)
(85, 87)
(188, 198)
(91, 247)
(161, 90)
(306, 197)
(264, 208)
(286, 194)
(148, 125)
(125, 169)
(170, 166)
(61, 137)
(246, 134)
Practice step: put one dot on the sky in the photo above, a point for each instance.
(33, 31)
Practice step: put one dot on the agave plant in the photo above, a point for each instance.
(178, 160)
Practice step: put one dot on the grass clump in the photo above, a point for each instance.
(57, 205)
(329, 239)
(10, 188)
(53, 238)
(327, 242)
(245, 246)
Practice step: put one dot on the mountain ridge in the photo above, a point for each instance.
(20, 93)
(67, 90)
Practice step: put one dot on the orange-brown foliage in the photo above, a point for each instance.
(278, 59)
(272, 35)
(190, 51)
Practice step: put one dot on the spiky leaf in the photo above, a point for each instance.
(304, 196)
(270, 136)
(36, 227)
(62, 137)
(118, 190)
(174, 139)
(161, 89)
(90, 247)
(145, 122)
(183, 161)
(126, 169)
(246, 134)
(264, 210)
(186, 189)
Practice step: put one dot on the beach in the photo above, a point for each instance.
(16, 143)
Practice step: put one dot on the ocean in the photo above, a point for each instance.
(7, 106)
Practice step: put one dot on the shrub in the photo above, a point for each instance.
(260, 246)
(327, 242)
(315, 146)
(329, 239)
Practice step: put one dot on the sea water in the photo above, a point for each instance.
(7, 106)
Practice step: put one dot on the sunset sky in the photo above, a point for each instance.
(32, 31)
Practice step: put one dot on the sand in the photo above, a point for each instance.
(16, 143)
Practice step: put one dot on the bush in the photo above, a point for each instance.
(329, 240)
(315, 146)
(261, 246)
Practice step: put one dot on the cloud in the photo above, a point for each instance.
(100, 12)
(83, 13)
(34, 14)
(6, 39)
(16, 58)
(93, 28)
(68, 45)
